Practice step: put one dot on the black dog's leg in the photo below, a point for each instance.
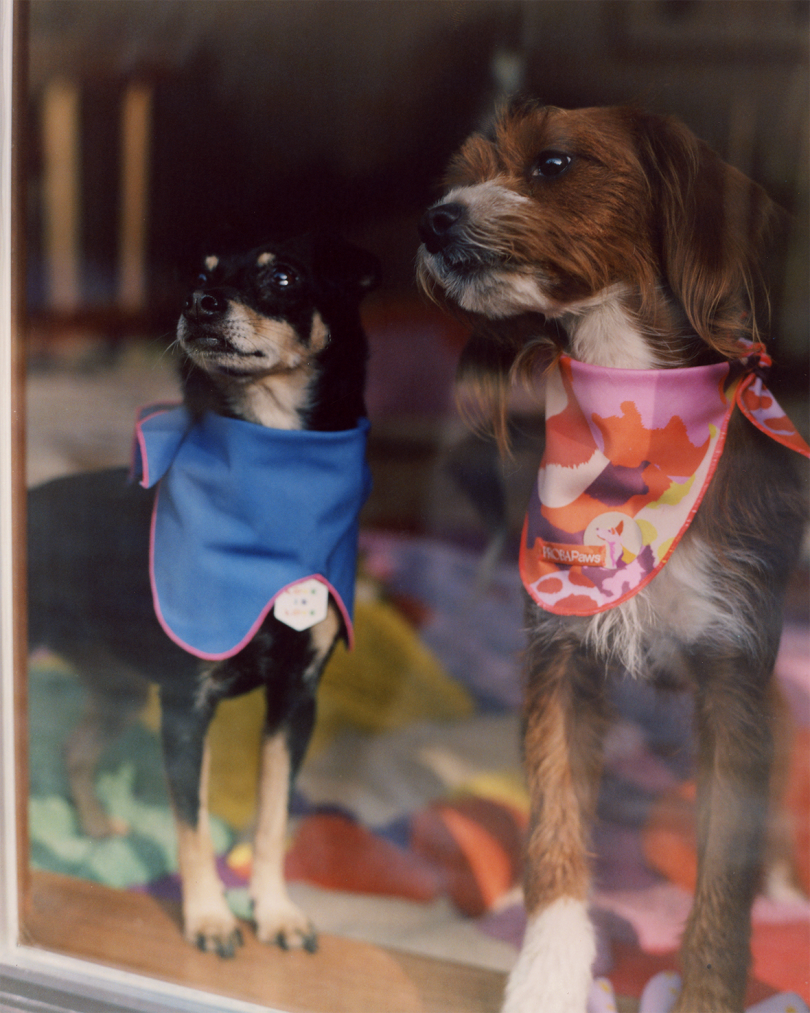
(207, 920)
(278, 920)
(286, 736)
(115, 695)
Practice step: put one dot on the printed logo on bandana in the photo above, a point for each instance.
(611, 540)
(572, 555)
(302, 605)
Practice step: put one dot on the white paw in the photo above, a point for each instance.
(279, 922)
(553, 970)
(211, 926)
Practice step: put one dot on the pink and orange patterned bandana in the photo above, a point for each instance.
(629, 455)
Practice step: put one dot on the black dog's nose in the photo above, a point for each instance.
(436, 226)
(204, 305)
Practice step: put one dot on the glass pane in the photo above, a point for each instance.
(163, 137)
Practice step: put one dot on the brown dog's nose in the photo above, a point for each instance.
(202, 305)
(436, 226)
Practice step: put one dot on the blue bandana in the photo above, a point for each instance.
(242, 513)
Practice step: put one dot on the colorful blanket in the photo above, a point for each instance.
(409, 814)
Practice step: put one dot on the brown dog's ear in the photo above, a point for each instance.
(482, 383)
(496, 353)
(712, 222)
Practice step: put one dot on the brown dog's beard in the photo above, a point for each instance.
(644, 210)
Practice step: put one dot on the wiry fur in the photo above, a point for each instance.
(620, 238)
(271, 337)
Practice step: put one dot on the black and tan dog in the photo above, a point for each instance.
(271, 346)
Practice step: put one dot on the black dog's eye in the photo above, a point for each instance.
(283, 277)
(550, 164)
(202, 279)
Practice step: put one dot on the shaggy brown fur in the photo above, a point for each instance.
(622, 239)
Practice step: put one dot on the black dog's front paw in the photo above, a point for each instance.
(223, 946)
(304, 940)
(285, 925)
(214, 930)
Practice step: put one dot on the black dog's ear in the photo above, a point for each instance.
(348, 267)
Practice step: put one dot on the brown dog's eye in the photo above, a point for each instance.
(550, 164)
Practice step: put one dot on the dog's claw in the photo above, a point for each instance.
(224, 946)
(298, 940)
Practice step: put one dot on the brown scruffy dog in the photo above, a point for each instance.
(620, 242)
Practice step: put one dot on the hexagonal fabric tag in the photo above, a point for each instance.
(302, 605)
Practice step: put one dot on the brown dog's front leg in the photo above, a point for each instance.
(564, 726)
(735, 752)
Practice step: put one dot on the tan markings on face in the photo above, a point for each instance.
(319, 334)
(275, 339)
(259, 343)
(211, 263)
(265, 258)
(274, 366)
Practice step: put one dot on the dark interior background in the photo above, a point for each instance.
(280, 115)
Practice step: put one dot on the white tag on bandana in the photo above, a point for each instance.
(302, 605)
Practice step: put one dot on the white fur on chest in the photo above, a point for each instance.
(682, 605)
(277, 401)
(603, 333)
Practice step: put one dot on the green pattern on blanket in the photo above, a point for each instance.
(130, 784)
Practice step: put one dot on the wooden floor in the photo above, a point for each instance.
(137, 933)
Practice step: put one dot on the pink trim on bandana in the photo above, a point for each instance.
(251, 633)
